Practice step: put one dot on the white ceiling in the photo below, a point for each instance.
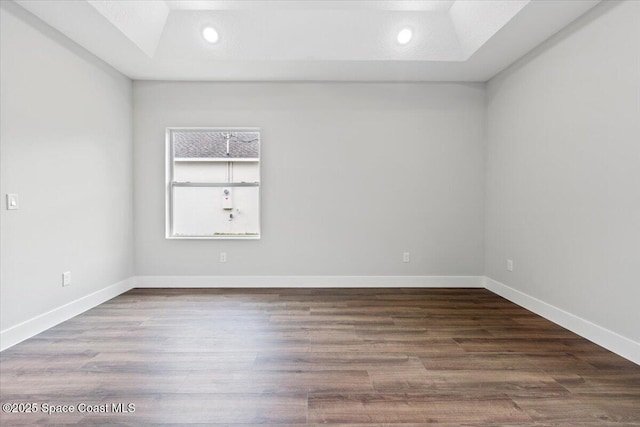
(341, 40)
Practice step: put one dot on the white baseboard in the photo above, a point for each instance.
(309, 281)
(606, 338)
(27, 329)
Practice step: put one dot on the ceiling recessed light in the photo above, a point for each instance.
(210, 34)
(405, 35)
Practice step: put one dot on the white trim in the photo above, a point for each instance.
(606, 338)
(309, 281)
(217, 128)
(27, 329)
(216, 159)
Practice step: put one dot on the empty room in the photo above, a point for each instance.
(320, 212)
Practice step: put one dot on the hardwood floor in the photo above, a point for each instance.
(352, 357)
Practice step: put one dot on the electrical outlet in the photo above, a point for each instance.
(66, 278)
(406, 257)
(509, 265)
(223, 257)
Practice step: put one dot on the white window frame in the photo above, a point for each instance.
(170, 183)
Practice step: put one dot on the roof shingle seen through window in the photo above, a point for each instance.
(213, 144)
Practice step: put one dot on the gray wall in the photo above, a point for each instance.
(66, 150)
(563, 170)
(352, 176)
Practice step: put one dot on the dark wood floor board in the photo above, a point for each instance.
(540, 345)
(529, 332)
(187, 408)
(39, 419)
(62, 346)
(158, 362)
(580, 408)
(412, 408)
(604, 360)
(600, 382)
(75, 325)
(620, 408)
(563, 363)
(452, 321)
(277, 382)
(534, 321)
(98, 319)
(115, 384)
(319, 357)
(328, 335)
(236, 344)
(479, 361)
(50, 384)
(312, 320)
(467, 382)
(414, 347)
(38, 362)
(367, 310)
(323, 361)
(417, 333)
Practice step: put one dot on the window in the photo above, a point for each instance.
(213, 183)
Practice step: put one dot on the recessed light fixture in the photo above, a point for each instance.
(405, 35)
(210, 34)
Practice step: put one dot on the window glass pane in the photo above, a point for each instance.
(198, 212)
(195, 144)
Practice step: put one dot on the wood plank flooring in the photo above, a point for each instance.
(294, 357)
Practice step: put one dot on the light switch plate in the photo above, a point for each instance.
(12, 202)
